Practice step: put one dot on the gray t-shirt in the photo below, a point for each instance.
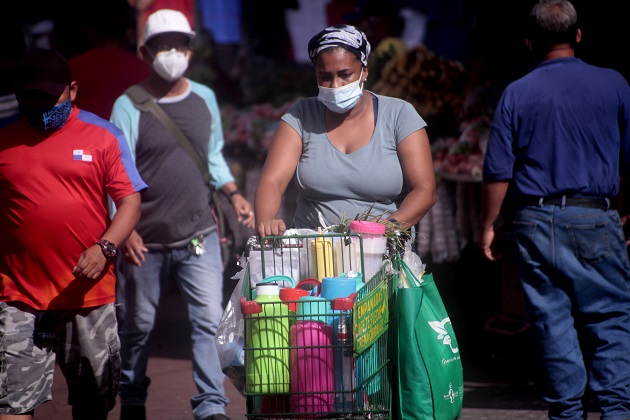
(342, 185)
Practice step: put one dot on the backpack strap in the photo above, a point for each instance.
(144, 101)
(140, 97)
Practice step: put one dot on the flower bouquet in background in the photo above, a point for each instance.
(248, 132)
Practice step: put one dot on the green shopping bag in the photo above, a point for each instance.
(430, 383)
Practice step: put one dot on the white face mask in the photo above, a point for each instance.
(342, 99)
(170, 65)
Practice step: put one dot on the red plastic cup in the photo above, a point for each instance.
(290, 296)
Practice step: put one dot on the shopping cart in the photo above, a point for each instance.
(326, 358)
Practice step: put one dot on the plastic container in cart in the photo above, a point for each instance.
(374, 244)
(337, 348)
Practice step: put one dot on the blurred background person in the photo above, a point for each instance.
(111, 65)
(384, 27)
(15, 49)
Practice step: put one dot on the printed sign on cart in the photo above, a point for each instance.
(371, 317)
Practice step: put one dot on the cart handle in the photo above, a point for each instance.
(277, 279)
(345, 303)
(310, 281)
(250, 306)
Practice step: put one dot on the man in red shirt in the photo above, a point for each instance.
(58, 164)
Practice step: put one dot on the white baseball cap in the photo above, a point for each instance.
(165, 21)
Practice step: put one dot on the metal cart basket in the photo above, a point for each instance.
(315, 356)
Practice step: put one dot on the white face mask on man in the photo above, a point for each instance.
(341, 99)
(170, 65)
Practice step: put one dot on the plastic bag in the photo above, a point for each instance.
(417, 267)
(289, 260)
(230, 337)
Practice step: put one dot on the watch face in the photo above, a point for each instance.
(109, 249)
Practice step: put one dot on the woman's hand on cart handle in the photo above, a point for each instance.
(273, 227)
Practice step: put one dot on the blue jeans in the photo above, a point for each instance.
(573, 264)
(200, 281)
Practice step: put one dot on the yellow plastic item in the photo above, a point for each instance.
(321, 258)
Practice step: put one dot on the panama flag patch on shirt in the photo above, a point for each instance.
(83, 155)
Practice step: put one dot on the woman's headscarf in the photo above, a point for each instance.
(344, 36)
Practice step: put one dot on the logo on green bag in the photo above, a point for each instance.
(443, 334)
(452, 395)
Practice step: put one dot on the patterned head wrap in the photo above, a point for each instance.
(344, 36)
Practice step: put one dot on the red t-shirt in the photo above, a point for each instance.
(53, 206)
(103, 74)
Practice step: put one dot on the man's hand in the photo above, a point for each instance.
(244, 211)
(492, 196)
(91, 263)
(133, 249)
(487, 240)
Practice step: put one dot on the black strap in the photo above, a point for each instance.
(145, 102)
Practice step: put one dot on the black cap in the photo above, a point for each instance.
(44, 70)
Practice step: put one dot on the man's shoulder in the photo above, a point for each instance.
(91, 119)
(123, 103)
(201, 89)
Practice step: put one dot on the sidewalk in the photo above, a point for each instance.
(497, 385)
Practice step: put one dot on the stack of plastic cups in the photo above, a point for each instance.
(333, 288)
(374, 245)
(312, 365)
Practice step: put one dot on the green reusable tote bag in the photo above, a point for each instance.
(430, 383)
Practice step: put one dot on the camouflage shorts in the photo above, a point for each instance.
(85, 343)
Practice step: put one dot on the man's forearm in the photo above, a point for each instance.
(125, 220)
(492, 196)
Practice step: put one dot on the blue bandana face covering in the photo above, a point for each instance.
(57, 117)
(50, 120)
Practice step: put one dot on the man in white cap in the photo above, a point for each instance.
(176, 238)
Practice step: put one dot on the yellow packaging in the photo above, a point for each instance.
(321, 258)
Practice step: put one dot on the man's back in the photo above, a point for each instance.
(556, 143)
(565, 114)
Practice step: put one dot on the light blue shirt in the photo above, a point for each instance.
(340, 185)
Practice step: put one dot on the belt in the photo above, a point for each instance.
(592, 202)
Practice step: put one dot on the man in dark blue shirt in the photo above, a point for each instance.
(558, 138)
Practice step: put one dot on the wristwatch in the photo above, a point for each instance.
(108, 248)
